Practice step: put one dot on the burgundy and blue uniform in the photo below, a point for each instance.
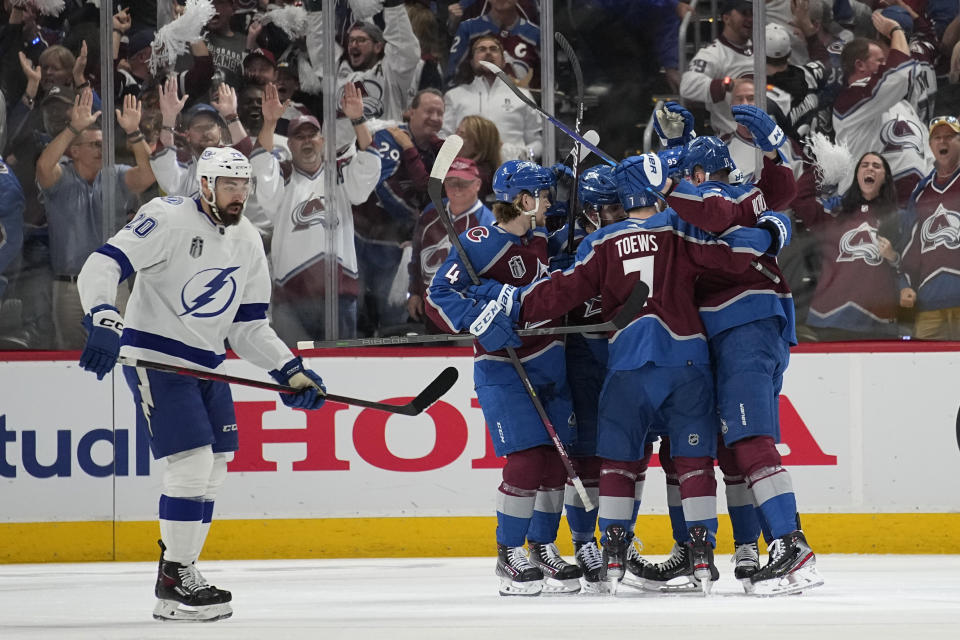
(514, 425)
(931, 258)
(659, 365)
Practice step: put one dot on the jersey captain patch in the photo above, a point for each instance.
(209, 292)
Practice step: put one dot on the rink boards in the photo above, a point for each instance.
(869, 435)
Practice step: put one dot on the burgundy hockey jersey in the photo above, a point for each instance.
(931, 258)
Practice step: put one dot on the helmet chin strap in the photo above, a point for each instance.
(533, 212)
(214, 209)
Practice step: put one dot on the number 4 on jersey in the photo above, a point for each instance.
(453, 274)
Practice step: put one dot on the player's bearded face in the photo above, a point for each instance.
(231, 195)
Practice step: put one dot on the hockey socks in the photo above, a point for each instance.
(744, 515)
(547, 509)
(514, 512)
(617, 495)
(771, 483)
(181, 522)
(698, 494)
(582, 523)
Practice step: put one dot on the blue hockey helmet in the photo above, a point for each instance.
(516, 176)
(638, 179)
(597, 186)
(710, 153)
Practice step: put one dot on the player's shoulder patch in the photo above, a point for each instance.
(174, 200)
(478, 234)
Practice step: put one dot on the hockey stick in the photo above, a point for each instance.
(494, 69)
(441, 165)
(630, 309)
(578, 77)
(433, 391)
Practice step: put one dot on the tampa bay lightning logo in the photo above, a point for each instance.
(209, 292)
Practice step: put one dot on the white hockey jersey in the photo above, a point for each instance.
(873, 114)
(387, 82)
(702, 81)
(744, 156)
(198, 283)
(299, 235)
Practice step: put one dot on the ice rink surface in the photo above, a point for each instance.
(866, 597)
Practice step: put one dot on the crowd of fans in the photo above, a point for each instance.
(867, 259)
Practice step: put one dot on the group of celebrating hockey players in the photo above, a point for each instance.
(701, 366)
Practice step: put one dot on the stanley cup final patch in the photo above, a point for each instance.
(196, 247)
(517, 268)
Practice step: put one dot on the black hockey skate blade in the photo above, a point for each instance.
(441, 384)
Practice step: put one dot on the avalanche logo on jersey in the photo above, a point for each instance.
(431, 258)
(209, 292)
(308, 213)
(897, 135)
(860, 243)
(940, 229)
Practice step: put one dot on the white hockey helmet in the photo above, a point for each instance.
(778, 41)
(222, 162)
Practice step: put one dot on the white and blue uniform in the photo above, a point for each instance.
(199, 283)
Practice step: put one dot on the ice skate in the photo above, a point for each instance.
(792, 567)
(559, 576)
(183, 595)
(590, 562)
(518, 576)
(615, 555)
(673, 575)
(636, 565)
(701, 559)
(746, 562)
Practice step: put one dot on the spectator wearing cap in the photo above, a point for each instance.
(201, 126)
(430, 242)
(383, 62)
(299, 243)
(260, 67)
(713, 69)
(930, 267)
(384, 223)
(520, 127)
(872, 112)
(520, 42)
(71, 194)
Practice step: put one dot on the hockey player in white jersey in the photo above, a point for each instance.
(201, 279)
